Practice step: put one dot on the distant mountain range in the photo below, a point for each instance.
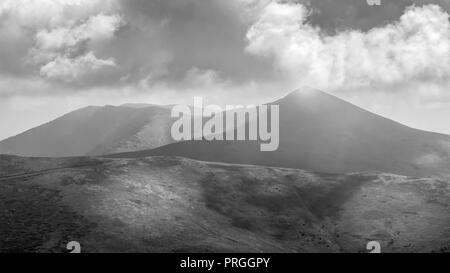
(318, 132)
(95, 131)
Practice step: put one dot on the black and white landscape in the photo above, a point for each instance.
(364, 135)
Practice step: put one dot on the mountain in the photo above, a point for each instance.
(172, 204)
(320, 132)
(145, 105)
(95, 131)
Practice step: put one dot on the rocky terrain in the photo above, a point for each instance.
(174, 204)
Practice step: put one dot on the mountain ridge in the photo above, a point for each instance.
(321, 132)
(94, 130)
(318, 132)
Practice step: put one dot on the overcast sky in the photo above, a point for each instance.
(57, 56)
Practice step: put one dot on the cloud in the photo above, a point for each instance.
(96, 29)
(208, 35)
(72, 69)
(41, 35)
(187, 43)
(61, 52)
(431, 160)
(416, 48)
(146, 39)
(51, 13)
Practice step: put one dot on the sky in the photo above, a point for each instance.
(60, 55)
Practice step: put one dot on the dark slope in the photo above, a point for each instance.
(170, 204)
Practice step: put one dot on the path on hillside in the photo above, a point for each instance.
(46, 171)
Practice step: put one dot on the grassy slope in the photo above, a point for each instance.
(171, 204)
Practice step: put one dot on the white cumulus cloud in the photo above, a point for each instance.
(415, 48)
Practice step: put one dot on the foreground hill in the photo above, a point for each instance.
(172, 204)
(320, 132)
(95, 131)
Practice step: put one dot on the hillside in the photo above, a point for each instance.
(95, 131)
(172, 204)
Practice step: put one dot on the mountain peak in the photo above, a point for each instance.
(308, 92)
(308, 97)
